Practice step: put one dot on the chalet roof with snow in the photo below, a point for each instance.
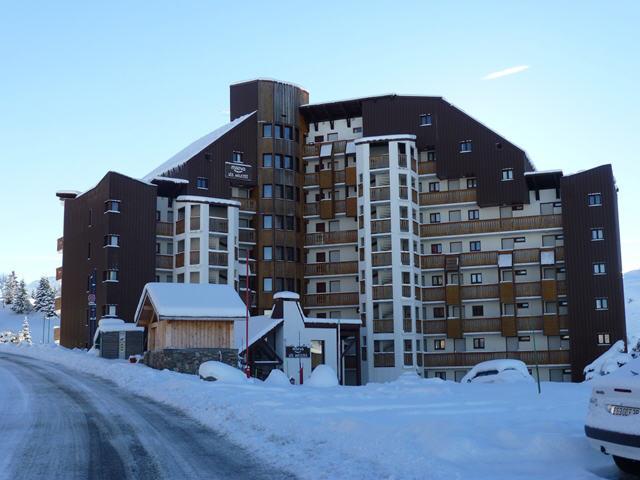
(188, 301)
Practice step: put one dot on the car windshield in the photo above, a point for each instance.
(486, 373)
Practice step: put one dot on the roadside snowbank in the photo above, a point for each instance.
(411, 428)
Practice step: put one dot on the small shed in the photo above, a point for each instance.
(114, 338)
(185, 315)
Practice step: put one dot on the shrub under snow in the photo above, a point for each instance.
(278, 378)
(221, 372)
(323, 376)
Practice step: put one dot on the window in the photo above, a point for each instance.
(431, 153)
(357, 129)
(436, 280)
(550, 308)
(521, 272)
(334, 286)
(604, 339)
(277, 131)
(455, 215)
(110, 206)
(477, 310)
(465, 147)
(472, 183)
(288, 162)
(507, 174)
(202, 183)
(438, 312)
(267, 190)
(434, 218)
(110, 275)
(439, 344)
(595, 199)
(548, 240)
(473, 214)
(267, 284)
(522, 305)
(434, 186)
(425, 119)
(476, 278)
(455, 247)
(508, 309)
(440, 374)
(474, 246)
(436, 248)
(112, 240)
(317, 353)
(288, 132)
(602, 303)
(237, 157)
(599, 268)
(267, 130)
(267, 221)
(109, 310)
(597, 234)
(507, 275)
(525, 338)
(383, 346)
(267, 160)
(267, 253)
(478, 343)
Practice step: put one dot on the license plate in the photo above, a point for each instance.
(622, 411)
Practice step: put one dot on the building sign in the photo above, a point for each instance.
(298, 351)
(122, 344)
(237, 171)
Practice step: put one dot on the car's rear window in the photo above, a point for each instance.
(486, 373)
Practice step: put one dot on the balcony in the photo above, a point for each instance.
(380, 193)
(165, 229)
(433, 294)
(331, 299)
(194, 257)
(337, 148)
(378, 161)
(60, 244)
(57, 305)
(59, 273)
(432, 261)
(380, 226)
(218, 225)
(468, 292)
(179, 259)
(425, 168)
(384, 325)
(451, 196)
(381, 259)
(527, 255)
(322, 177)
(331, 238)
(218, 259)
(383, 359)
(492, 225)
(333, 268)
(180, 226)
(164, 261)
(528, 289)
(246, 204)
(247, 236)
(382, 292)
(469, 359)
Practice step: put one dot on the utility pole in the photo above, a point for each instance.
(247, 300)
(535, 352)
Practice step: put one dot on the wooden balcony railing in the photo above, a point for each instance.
(194, 257)
(528, 289)
(378, 161)
(476, 325)
(333, 268)
(331, 238)
(529, 323)
(432, 261)
(433, 294)
(526, 255)
(451, 196)
(381, 259)
(380, 226)
(218, 225)
(311, 208)
(60, 244)
(434, 327)
(218, 259)
(164, 261)
(179, 259)
(479, 291)
(59, 273)
(382, 292)
(425, 168)
(402, 160)
(469, 359)
(407, 325)
(478, 258)
(380, 193)
(559, 253)
(383, 359)
(246, 204)
(383, 325)
(57, 305)
(331, 299)
(194, 223)
(165, 229)
(180, 226)
(492, 225)
(405, 258)
(247, 236)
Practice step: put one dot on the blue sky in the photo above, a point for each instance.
(87, 87)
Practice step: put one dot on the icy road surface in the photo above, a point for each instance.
(55, 423)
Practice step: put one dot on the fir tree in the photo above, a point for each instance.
(48, 304)
(42, 294)
(20, 303)
(9, 288)
(25, 333)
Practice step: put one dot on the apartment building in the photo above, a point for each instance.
(403, 211)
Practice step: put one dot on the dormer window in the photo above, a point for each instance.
(425, 119)
(109, 310)
(112, 240)
(237, 157)
(112, 206)
(466, 146)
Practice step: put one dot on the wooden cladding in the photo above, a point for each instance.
(486, 325)
(326, 209)
(382, 292)
(451, 196)
(454, 328)
(551, 325)
(350, 177)
(549, 290)
(218, 259)
(331, 299)
(59, 273)
(351, 207)
(425, 168)
(380, 226)
(469, 359)
(331, 238)
(522, 256)
(333, 268)
(380, 193)
(60, 244)
(179, 259)
(190, 334)
(180, 227)
(164, 261)
(247, 236)
(491, 225)
(381, 259)
(246, 204)
(508, 326)
(383, 325)
(326, 179)
(452, 294)
(165, 229)
(506, 292)
(528, 289)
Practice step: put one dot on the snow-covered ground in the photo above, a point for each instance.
(632, 303)
(411, 428)
(10, 321)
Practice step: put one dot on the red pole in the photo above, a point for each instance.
(247, 367)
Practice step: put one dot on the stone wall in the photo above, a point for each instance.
(188, 360)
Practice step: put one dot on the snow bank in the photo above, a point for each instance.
(407, 429)
(608, 362)
(278, 378)
(323, 376)
(221, 372)
(498, 371)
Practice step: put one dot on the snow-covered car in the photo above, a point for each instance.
(613, 421)
(498, 371)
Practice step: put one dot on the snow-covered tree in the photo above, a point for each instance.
(48, 304)
(43, 295)
(9, 287)
(25, 333)
(20, 303)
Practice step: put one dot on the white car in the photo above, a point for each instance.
(498, 371)
(613, 422)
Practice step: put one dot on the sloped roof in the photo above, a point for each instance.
(187, 153)
(259, 326)
(192, 301)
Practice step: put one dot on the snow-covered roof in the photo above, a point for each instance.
(542, 172)
(115, 325)
(193, 149)
(259, 326)
(198, 199)
(333, 321)
(192, 301)
(350, 148)
(268, 79)
(385, 138)
(286, 295)
(170, 179)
